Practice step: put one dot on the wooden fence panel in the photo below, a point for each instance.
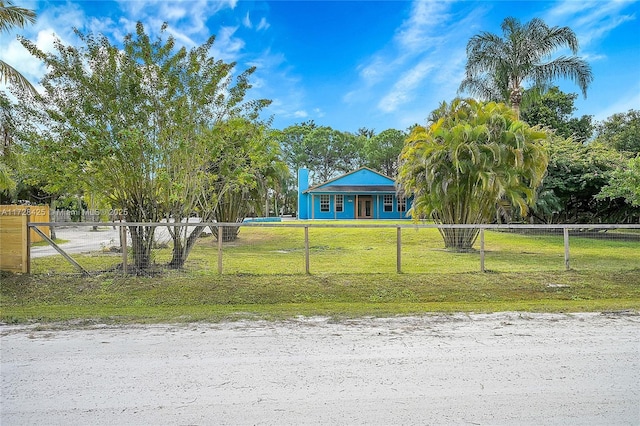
(14, 252)
(36, 214)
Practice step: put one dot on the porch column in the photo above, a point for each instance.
(355, 207)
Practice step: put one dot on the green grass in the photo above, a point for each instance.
(46, 243)
(352, 274)
(180, 297)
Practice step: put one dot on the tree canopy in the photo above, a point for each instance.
(553, 109)
(381, 151)
(624, 183)
(621, 131)
(576, 174)
(474, 164)
(321, 149)
(134, 122)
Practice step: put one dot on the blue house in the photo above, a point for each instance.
(361, 194)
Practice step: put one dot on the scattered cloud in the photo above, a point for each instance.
(404, 90)
(419, 64)
(227, 46)
(590, 20)
(417, 33)
(263, 25)
(424, 59)
(247, 21)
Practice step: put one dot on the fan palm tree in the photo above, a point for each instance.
(14, 16)
(497, 67)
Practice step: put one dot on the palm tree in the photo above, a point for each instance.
(14, 16)
(474, 163)
(497, 67)
(11, 16)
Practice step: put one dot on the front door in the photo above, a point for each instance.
(365, 207)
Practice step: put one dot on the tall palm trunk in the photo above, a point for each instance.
(515, 98)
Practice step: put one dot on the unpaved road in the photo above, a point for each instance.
(493, 369)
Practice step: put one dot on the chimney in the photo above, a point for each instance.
(303, 185)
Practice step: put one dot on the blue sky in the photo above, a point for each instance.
(372, 64)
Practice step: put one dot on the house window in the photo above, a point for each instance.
(324, 203)
(402, 204)
(339, 203)
(388, 203)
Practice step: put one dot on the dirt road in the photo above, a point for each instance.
(494, 369)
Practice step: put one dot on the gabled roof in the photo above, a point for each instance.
(383, 184)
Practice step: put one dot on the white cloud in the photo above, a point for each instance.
(404, 89)
(374, 71)
(184, 16)
(247, 21)
(590, 20)
(53, 22)
(263, 25)
(20, 58)
(423, 63)
(417, 32)
(300, 114)
(592, 57)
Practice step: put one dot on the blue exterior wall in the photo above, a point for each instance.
(309, 202)
(303, 185)
(350, 208)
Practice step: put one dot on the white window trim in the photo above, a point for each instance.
(328, 203)
(385, 204)
(336, 204)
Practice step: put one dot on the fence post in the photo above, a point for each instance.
(27, 252)
(482, 250)
(566, 249)
(306, 249)
(399, 250)
(220, 237)
(123, 245)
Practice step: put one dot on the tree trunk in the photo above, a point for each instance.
(181, 251)
(459, 240)
(141, 244)
(229, 233)
(515, 97)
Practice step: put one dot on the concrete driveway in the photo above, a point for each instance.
(80, 239)
(84, 239)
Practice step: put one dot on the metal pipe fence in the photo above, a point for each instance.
(300, 247)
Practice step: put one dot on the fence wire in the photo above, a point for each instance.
(337, 248)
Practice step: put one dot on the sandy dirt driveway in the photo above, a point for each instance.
(490, 369)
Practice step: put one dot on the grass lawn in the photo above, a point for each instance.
(353, 273)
